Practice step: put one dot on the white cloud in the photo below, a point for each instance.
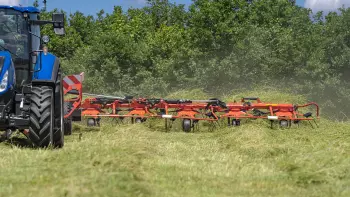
(326, 5)
(9, 2)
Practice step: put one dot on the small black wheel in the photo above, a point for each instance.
(67, 122)
(68, 126)
(91, 122)
(284, 124)
(58, 133)
(236, 123)
(186, 125)
(138, 120)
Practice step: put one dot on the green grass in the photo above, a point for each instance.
(135, 160)
(140, 160)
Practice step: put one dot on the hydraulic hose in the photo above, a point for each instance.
(3, 110)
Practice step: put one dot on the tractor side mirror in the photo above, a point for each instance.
(2, 42)
(58, 23)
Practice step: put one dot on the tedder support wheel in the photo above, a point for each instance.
(138, 120)
(284, 124)
(91, 122)
(186, 125)
(42, 131)
(236, 123)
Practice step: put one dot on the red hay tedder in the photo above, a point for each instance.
(189, 111)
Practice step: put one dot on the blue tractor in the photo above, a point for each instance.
(31, 93)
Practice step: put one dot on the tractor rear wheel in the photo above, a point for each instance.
(42, 131)
(58, 135)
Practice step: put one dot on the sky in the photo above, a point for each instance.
(94, 6)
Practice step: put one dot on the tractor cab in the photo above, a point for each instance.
(20, 36)
(15, 40)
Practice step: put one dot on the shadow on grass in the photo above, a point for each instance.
(79, 128)
(18, 142)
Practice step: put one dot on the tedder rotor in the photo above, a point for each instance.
(94, 107)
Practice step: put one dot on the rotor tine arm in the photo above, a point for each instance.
(314, 104)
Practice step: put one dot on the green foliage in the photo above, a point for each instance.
(36, 4)
(218, 46)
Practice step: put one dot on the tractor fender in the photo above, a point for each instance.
(46, 67)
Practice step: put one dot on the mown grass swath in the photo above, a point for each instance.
(144, 160)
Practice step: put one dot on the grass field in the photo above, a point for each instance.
(139, 160)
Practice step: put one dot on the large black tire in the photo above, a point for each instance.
(46, 115)
(59, 112)
(67, 121)
(41, 116)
